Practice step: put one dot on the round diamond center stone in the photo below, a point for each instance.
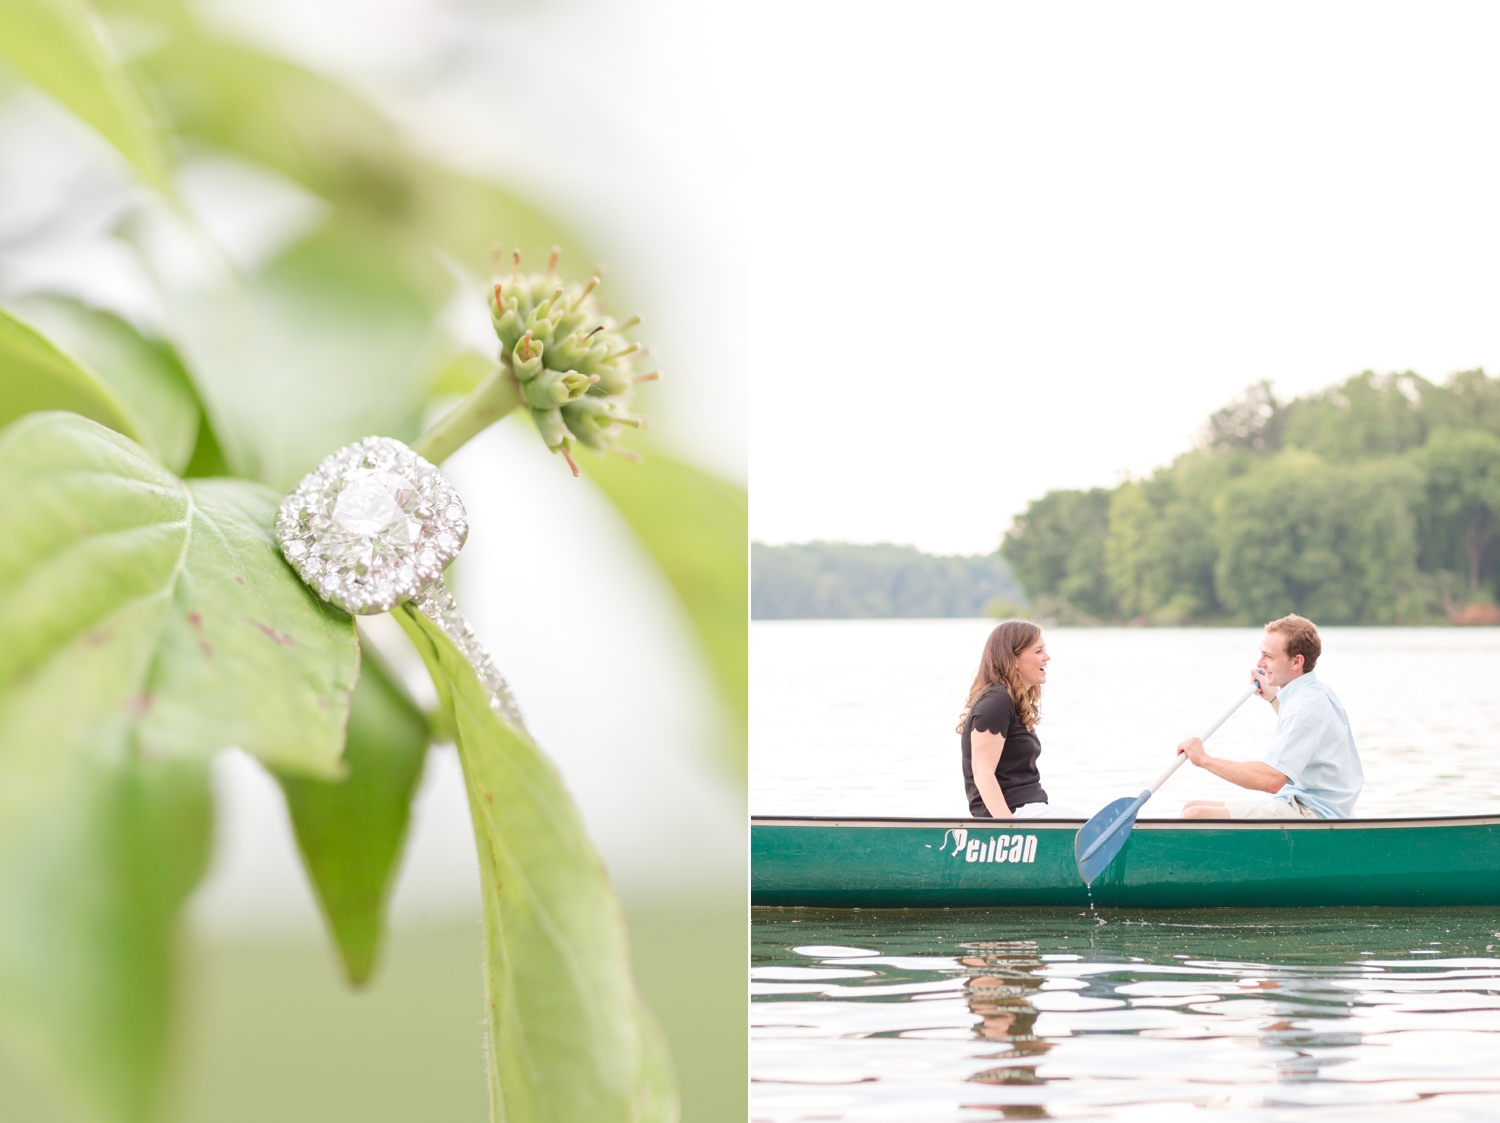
(376, 515)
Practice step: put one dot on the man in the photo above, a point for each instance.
(1312, 769)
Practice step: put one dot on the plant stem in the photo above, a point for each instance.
(491, 400)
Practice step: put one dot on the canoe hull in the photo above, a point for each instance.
(1169, 863)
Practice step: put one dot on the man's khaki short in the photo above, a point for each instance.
(1268, 807)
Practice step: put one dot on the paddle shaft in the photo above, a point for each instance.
(1129, 815)
(1207, 733)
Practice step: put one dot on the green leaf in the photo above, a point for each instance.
(331, 342)
(350, 831)
(36, 374)
(566, 1038)
(145, 373)
(61, 47)
(696, 526)
(144, 624)
(229, 96)
(135, 606)
(92, 881)
(656, 1094)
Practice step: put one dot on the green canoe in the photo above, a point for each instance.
(1166, 863)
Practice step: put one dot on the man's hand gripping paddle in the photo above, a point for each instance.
(1100, 839)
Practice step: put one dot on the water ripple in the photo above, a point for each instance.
(1294, 1014)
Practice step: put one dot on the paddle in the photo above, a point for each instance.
(1100, 839)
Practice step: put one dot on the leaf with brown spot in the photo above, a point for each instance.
(109, 714)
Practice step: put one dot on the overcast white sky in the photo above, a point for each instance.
(997, 249)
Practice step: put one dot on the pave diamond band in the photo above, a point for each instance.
(374, 525)
(437, 605)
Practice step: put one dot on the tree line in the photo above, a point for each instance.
(840, 580)
(1376, 501)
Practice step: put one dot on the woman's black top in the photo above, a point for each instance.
(1020, 782)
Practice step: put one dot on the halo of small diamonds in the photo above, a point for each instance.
(371, 526)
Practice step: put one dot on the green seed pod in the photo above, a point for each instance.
(550, 424)
(555, 387)
(575, 351)
(574, 365)
(616, 379)
(506, 318)
(596, 421)
(526, 359)
(545, 317)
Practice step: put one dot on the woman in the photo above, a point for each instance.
(999, 743)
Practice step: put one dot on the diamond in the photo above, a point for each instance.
(374, 524)
(373, 520)
(366, 526)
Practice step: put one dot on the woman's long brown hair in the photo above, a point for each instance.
(997, 667)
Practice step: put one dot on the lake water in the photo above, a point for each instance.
(856, 717)
(1357, 1014)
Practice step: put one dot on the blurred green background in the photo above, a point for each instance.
(270, 1032)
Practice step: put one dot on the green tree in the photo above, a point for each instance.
(1468, 400)
(842, 580)
(1364, 416)
(1290, 504)
(1132, 523)
(1336, 543)
(1056, 548)
(1160, 550)
(1253, 422)
(1459, 511)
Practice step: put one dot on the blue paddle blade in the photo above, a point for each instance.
(1109, 829)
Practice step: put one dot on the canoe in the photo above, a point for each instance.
(1166, 863)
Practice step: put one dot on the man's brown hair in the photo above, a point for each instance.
(1301, 636)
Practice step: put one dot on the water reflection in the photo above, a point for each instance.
(1003, 974)
(1284, 1015)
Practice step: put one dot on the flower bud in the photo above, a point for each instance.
(573, 364)
(505, 317)
(616, 379)
(555, 387)
(526, 359)
(544, 318)
(550, 424)
(576, 351)
(595, 421)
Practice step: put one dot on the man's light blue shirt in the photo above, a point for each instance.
(1313, 747)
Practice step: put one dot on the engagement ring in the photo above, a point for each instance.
(373, 526)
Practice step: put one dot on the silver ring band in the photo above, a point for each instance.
(373, 526)
(437, 605)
